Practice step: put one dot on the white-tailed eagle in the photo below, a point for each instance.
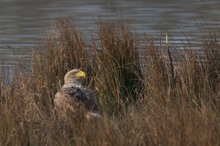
(73, 99)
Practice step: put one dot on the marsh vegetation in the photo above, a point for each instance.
(148, 94)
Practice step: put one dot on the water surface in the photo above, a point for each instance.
(23, 23)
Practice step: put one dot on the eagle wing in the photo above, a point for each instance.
(90, 103)
(70, 101)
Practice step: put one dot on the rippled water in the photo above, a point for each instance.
(24, 22)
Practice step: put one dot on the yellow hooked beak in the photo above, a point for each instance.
(81, 74)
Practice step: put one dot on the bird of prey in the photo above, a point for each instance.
(73, 99)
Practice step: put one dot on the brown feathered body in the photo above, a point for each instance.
(74, 100)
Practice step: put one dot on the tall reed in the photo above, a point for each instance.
(117, 66)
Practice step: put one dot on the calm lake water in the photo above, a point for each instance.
(23, 23)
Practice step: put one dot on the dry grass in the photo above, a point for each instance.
(138, 103)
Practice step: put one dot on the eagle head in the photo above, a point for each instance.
(74, 76)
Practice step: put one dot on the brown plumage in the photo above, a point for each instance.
(73, 99)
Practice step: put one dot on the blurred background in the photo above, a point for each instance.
(23, 23)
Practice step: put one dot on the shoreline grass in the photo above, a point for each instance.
(138, 103)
